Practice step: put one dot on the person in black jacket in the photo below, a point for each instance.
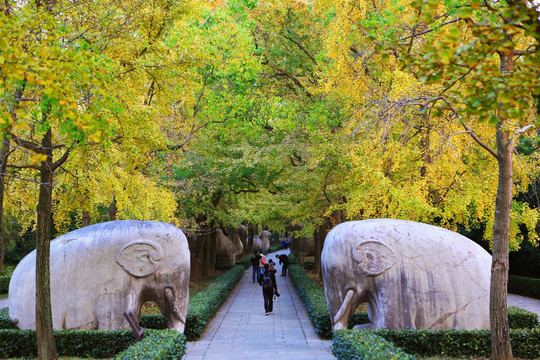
(255, 264)
(283, 260)
(267, 280)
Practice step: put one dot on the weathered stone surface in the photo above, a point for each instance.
(229, 247)
(412, 275)
(263, 242)
(100, 271)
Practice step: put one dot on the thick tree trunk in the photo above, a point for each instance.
(196, 259)
(85, 219)
(3, 165)
(44, 327)
(113, 209)
(500, 332)
(206, 251)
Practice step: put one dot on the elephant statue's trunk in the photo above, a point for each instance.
(341, 319)
(173, 308)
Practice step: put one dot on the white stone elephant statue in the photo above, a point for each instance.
(101, 271)
(412, 276)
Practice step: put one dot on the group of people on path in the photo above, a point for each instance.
(264, 273)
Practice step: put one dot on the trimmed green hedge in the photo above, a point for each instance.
(82, 343)
(365, 345)
(524, 286)
(461, 343)
(398, 344)
(165, 344)
(4, 283)
(519, 318)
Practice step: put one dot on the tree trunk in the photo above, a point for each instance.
(3, 165)
(113, 210)
(206, 251)
(44, 327)
(500, 333)
(85, 219)
(196, 259)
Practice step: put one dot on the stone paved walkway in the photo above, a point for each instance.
(241, 330)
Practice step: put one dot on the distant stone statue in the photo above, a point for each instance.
(265, 239)
(229, 247)
(412, 276)
(101, 271)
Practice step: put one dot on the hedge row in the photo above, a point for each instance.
(524, 286)
(165, 344)
(461, 343)
(365, 345)
(82, 343)
(4, 283)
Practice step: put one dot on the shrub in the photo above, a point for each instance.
(365, 345)
(461, 343)
(166, 344)
(82, 343)
(519, 318)
(4, 283)
(5, 323)
(524, 286)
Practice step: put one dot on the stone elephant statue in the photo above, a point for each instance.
(100, 271)
(229, 247)
(265, 239)
(257, 242)
(302, 247)
(412, 276)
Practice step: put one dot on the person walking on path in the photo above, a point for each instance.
(284, 261)
(268, 282)
(255, 265)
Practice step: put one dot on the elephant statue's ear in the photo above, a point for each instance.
(373, 257)
(140, 257)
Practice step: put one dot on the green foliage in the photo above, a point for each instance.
(82, 343)
(167, 344)
(4, 283)
(385, 344)
(5, 323)
(365, 345)
(524, 286)
(522, 319)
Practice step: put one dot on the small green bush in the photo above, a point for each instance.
(524, 286)
(165, 344)
(365, 345)
(5, 323)
(4, 283)
(519, 318)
